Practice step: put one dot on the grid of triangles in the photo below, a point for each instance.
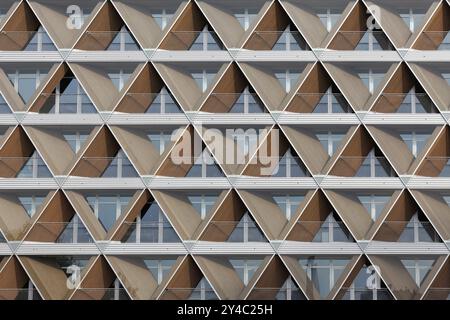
(97, 96)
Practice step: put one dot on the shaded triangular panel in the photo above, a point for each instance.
(106, 31)
(318, 222)
(234, 20)
(58, 222)
(63, 22)
(233, 94)
(149, 20)
(406, 276)
(435, 35)
(232, 146)
(148, 94)
(20, 158)
(23, 32)
(360, 32)
(399, 23)
(106, 83)
(191, 31)
(362, 212)
(274, 211)
(189, 212)
(275, 31)
(232, 222)
(188, 282)
(360, 83)
(275, 83)
(319, 147)
(14, 282)
(138, 274)
(190, 82)
(318, 22)
(103, 157)
(436, 161)
(405, 222)
(406, 146)
(403, 94)
(435, 206)
(364, 283)
(49, 275)
(232, 277)
(275, 157)
(434, 79)
(61, 148)
(440, 287)
(361, 157)
(96, 282)
(318, 94)
(320, 277)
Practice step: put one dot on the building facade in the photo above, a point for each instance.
(224, 149)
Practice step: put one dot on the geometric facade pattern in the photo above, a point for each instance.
(96, 97)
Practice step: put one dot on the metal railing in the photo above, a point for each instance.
(193, 41)
(189, 294)
(238, 232)
(243, 102)
(320, 103)
(66, 232)
(111, 167)
(149, 232)
(366, 294)
(24, 167)
(147, 102)
(101, 294)
(370, 40)
(410, 231)
(404, 103)
(110, 40)
(365, 167)
(279, 40)
(325, 231)
(66, 103)
(26, 41)
(19, 294)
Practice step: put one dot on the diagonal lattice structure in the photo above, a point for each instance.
(98, 96)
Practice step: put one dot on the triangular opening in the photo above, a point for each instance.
(367, 285)
(34, 167)
(203, 202)
(75, 232)
(151, 226)
(247, 102)
(108, 207)
(76, 139)
(206, 40)
(374, 203)
(331, 102)
(416, 140)
(160, 268)
(323, 271)
(32, 203)
(68, 97)
(289, 291)
(288, 203)
(123, 41)
(418, 268)
(445, 44)
(116, 291)
(120, 77)
(331, 140)
(245, 230)
(203, 291)
(332, 229)
(417, 229)
(119, 167)
(40, 41)
(26, 80)
(415, 102)
(375, 165)
(289, 40)
(290, 165)
(163, 103)
(373, 40)
(204, 78)
(204, 166)
(245, 268)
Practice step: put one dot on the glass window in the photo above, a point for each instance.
(202, 203)
(159, 268)
(31, 204)
(108, 208)
(245, 268)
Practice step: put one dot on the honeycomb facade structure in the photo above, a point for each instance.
(114, 186)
